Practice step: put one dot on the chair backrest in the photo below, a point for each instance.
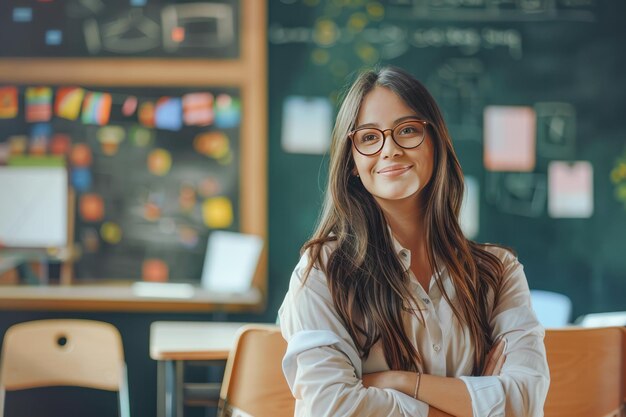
(586, 372)
(254, 384)
(552, 308)
(79, 353)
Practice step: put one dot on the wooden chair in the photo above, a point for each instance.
(587, 372)
(77, 353)
(254, 384)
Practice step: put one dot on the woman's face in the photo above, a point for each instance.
(394, 173)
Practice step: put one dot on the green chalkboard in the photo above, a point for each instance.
(562, 59)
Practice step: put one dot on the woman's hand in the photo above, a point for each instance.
(394, 380)
(495, 358)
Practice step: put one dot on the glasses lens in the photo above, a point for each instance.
(409, 134)
(368, 141)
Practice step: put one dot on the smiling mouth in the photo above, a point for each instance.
(393, 171)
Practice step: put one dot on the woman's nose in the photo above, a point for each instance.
(390, 147)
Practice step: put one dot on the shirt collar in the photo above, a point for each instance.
(404, 255)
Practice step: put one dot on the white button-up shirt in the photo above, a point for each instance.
(324, 370)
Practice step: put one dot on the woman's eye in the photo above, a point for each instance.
(369, 137)
(408, 130)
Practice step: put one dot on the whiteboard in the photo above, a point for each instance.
(33, 207)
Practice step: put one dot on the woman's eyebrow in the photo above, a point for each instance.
(400, 120)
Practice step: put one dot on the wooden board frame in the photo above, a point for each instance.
(248, 73)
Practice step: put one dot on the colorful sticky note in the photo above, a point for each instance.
(227, 112)
(155, 270)
(169, 113)
(212, 144)
(96, 108)
(91, 207)
(110, 138)
(81, 179)
(111, 233)
(198, 109)
(217, 212)
(570, 189)
(146, 114)
(38, 104)
(60, 144)
(68, 102)
(8, 102)
(54, 37)
(140, 136)
(159, 162)
(39, 137)
(178, 34)
(130, 106)
(17, 144)
(22, 14)
(509, 138)
(81, 155)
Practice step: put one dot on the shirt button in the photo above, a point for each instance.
(403, 254)
(436, 347)
(426, 300)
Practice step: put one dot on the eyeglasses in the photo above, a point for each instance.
(407, 135)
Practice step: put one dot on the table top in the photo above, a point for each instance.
(121, 297)
(184, 340)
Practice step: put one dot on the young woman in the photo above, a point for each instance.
(391, 311)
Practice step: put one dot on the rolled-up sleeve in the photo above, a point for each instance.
(522, 386)
(322, 365)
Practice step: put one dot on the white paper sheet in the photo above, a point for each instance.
(230, 262)
(470, 209)
(33, 208)
(307, 124)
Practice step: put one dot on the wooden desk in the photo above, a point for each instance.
(120, 298)
(174, 343)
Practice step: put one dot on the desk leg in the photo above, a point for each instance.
(165, 389)
(161, 394)
(179, 399)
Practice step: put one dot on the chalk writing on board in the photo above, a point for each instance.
(395, 40)
(459, 85)
(492, 10)
(556, 130)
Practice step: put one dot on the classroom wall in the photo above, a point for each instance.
(572, 55)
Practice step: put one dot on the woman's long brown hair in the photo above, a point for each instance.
(368, 284)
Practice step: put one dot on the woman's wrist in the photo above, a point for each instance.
(405, 382)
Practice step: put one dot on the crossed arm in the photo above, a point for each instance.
(446, 396)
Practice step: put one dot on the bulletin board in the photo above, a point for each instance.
(179, 154)
(196, 29)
